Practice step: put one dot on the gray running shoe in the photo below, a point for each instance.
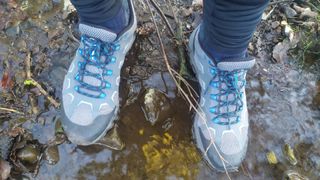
(223, 101)
(90, 89)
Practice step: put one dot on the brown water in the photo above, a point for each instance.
(283, 103)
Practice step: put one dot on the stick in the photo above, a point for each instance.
(163, 17)
(11, 110)
(35, 83)
(45, 93)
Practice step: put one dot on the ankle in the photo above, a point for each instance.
(120, 21)
(117, 22)
(217, 53)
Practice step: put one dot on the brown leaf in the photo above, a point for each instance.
(16, 131)
(6, 81)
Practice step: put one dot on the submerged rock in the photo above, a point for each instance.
(29, 154)
(51, 155)
(26, 153)
(156, 106)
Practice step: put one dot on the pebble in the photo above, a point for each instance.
(21, 45)
(275, 24)
(290, 13)
(13, 31)
(52, 155)
(5, 169)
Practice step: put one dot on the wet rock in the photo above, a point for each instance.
(4, 47)
(37, 7)
(13, 31)
(5, 169)
(185, 12)
(133, 92)
(51, 155)
(26, 153)
(290, 13)
(275, 24)
(29, 154)
(21, 45)
(155, 106)
(5, 145)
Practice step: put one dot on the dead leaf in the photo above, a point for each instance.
(16, 131)
(272, 158)
(6, 81)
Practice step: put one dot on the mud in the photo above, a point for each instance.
(283, 102)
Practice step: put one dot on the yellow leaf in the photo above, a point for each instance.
(288, 152)
(29, 82)
(141, 131)
(272, 158)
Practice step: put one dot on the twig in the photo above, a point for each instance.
(11, 110)
(35, 83)
(194, 106)
(28, 65)
(45, 93)
(180, 44)
(163, 17)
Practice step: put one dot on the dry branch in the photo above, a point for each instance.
(163, 17)
(11, 110)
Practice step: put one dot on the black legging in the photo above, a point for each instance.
(228, 25)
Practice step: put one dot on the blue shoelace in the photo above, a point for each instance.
(92, 51)
(228, 83)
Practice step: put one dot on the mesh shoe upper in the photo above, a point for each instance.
(91, 86)
(223, 101)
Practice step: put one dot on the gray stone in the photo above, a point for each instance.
(156, 106)
(290, 13)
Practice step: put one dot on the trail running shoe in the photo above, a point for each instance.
(224, 116)
(90, 89)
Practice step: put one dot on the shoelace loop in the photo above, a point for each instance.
(97, 54)
(229, 97)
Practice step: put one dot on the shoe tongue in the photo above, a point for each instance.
(236, 64)
(99, 33)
